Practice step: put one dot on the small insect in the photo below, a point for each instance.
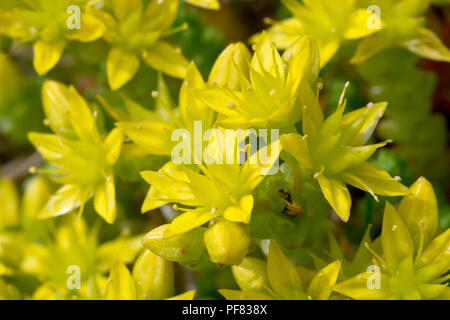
(292, 208)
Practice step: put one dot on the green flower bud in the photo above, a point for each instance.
(251, 274)
(185, 248)
(227, 243)
(153, 276)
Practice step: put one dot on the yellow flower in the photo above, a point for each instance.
(329, 22)
(271, 87)
(135, 32)
(415, 260)
(46, 24)
(83, 161)
(334, 152)
(404, 27)
(152, 131)
(379, 23)
(222, 190)
(75, 251)
(278, 279)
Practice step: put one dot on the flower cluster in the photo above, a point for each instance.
(247, 171)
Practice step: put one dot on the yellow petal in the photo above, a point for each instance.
(57, 104)
(241, 213)
(165, 58)
(231, 63)
(358, 25)
(105, 199)
(36, 194)
(121, 66)
(419, 211)
(153, 276)
(186, 248)
(9, 204)
(251, 274)
(359, 125)
(65, 200)
(323, 282)
(283, 276)
(267, 58)
(426, 44)
(113, 145)
(123, 8)
(370, 178)
(188, 295)
(190, 220)
(437, 252)
(91, 29)
(303, 62)
(153, 136)
(370, 46)
(191, 108)
(47, 55)
(357, 287)
(121, 285)
(244, 295)
(395, 238)
(297, 146)
(208, 4)
(337, 196)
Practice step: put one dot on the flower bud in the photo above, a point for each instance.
(419, 211)
(185, 248)
(251, 274)
(227, 243)
(154, 277)
(225, 72)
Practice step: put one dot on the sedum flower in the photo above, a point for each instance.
(404, 27)
(46, 24)
(328, 22)
(415, 259)
(152, 278)
(152, 131)
(335, 153)
(278, 279)
(74, 247)
(271, 87)
(223, 190)
(81, 159)
(222, 194)
(135, 32)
